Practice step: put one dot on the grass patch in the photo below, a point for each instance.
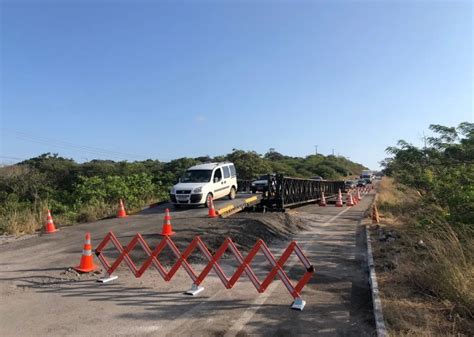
(426, 270)
(17, 222)
(20, 219)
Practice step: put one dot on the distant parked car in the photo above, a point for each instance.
(260, 185)
(317, 178)
(361, 183)
(368, 180)
(349, 184)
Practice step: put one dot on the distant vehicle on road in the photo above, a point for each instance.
(367, 174)
(261, 184)
(205, 182)
(361, 183)
(317, 178)
(349, 184)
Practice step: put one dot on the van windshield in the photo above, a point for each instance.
(196, 176)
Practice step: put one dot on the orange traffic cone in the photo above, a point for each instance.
(87, 260)
(349, 201)
(121, 210)
(358, 196)
(167, 228)
(339, 199)
(49, 226)
(322, 202)
(212, 212)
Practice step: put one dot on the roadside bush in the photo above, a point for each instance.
(88, 191)
(429, 202)
(136, 190)
(20, 218)
(447, 270)
(93, 212)
(442, 172)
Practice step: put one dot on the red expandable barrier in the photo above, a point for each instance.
(228, 244)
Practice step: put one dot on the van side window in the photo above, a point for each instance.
(232, 170)
(218, 175)
(226, 171)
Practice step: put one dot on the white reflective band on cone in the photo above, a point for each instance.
(88, 242)
(86, 252)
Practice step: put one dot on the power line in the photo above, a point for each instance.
(73, 145)
(13, 158)
(68, 145)
(9, 160)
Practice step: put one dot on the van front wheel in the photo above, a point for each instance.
(208, 200)
(232, 193)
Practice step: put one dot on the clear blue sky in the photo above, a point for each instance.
(164, 80)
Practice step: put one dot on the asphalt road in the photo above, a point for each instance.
(197, 211)
(38, 299)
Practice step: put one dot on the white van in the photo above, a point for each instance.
(203, 182)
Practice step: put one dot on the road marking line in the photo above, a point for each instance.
(257, 303)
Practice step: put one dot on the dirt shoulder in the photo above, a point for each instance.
(417, 268)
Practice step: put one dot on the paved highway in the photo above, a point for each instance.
(196, 211)
(39, 299)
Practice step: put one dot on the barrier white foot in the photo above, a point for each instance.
(107, 278)
(298, 304)
(195, 289)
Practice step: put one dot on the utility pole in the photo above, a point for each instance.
(333, 152)
(316, 147)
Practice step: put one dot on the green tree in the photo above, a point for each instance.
(248, 164)
(442, 171)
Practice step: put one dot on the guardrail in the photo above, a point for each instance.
(284, 192)
(287, 191)
(244, 185)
